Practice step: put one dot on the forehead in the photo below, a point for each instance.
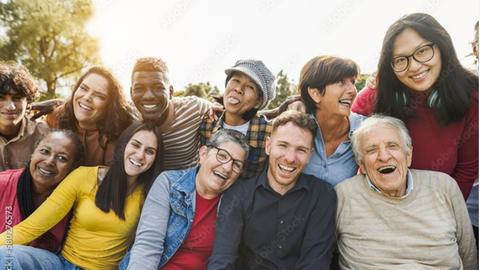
(58, 142)
(407, 41)
(145, 137)
(379, 135)
(238, 74)
(149, 77)
(96, 82)
(293, 135)
(233, 149)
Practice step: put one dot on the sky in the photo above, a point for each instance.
(200, 39)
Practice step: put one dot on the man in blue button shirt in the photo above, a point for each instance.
(282, 218)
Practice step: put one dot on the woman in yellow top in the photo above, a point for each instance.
(106, 207)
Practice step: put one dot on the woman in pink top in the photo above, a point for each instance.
(23, 190)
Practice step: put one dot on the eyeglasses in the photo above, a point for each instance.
(224, 157)
(421, 55)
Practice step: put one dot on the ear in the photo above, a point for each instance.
(131, 91)
(202, 153)
(409, 158)
(314, 93)
(362, 169)
(268, 143)
(170, 89)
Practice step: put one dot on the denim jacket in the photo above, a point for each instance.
(166, 219)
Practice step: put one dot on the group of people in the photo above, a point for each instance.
(184, 183)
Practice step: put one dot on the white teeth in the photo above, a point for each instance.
(149, 107)
(45, 172)
(83, 106)
(419, 76)
(221, 175)
(346, 101)
(233, 100)
(134, 162)
(286, 168)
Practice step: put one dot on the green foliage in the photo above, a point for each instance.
(284, 89)
(203, 90)
(361, 81)
(48, 37)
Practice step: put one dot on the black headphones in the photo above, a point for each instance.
(433, 100)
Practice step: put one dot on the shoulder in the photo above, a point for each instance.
(177, 178)
(352, 184)
(190, 101)
(88, 175)
(10, 177)
(317, 185)
(433, 180)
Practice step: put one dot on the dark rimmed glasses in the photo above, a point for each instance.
(423, 54)
(223, 156)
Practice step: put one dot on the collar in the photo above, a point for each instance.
(407, 191)
(184, 184)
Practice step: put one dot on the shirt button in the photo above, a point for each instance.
(281, 221)
(280, 246)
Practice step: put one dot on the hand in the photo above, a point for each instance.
(45, 107)
(212, 112)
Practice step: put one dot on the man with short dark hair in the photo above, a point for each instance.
(282, 218)
(178, 118)
(18, 134)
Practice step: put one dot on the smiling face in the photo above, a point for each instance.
(215, 177)
(384, 160)
(418, 76)
(150, 92)
(90, 100)
(51, 161)
(241, 94)
(140, 153)
(12, 109)
(337, 98)
(289, 149)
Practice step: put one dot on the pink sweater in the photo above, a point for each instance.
(452, 149)
(11, 216)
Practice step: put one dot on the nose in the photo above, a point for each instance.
(88, 96)
(10, 104)
(383, 154)
(289, 155)
(50, 160)
(148, 94)
(414, 64)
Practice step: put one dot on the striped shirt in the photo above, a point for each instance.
(181, 140)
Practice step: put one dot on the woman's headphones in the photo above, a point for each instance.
(433, 100)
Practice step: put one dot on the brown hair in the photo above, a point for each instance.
(299, 119)
(117, 115)
(322, 71)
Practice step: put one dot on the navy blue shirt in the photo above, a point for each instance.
(257, 228)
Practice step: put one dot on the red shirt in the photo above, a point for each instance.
(452, 149)
(11, 217)
(197, 247)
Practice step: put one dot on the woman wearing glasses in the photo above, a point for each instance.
(177, 225)
(421, 81)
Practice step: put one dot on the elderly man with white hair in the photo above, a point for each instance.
(393, 217)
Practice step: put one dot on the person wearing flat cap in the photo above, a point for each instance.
(248, 88)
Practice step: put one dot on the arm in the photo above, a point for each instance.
(228, 231)
(465, 239)
(319, 239)
(152, 227)
(54, 209)
(466, 169)
(364, 103)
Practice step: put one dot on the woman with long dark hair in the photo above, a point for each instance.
(106, 206)
(24, 190)
(97, 111)
(421, 81)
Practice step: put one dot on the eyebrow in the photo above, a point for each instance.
(416, 48)
(148, 147)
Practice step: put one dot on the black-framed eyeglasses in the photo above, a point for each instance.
(223, 156)
(421, 55)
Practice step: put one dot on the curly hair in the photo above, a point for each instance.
(15, 78)
(151, 64)
(117, 116)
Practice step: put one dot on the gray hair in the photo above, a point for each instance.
(374, 122)
(229, 135)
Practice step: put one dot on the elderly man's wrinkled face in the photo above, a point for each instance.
(384, 160)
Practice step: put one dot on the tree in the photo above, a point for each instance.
(284, 89)
(202, 90)
(48, 37)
